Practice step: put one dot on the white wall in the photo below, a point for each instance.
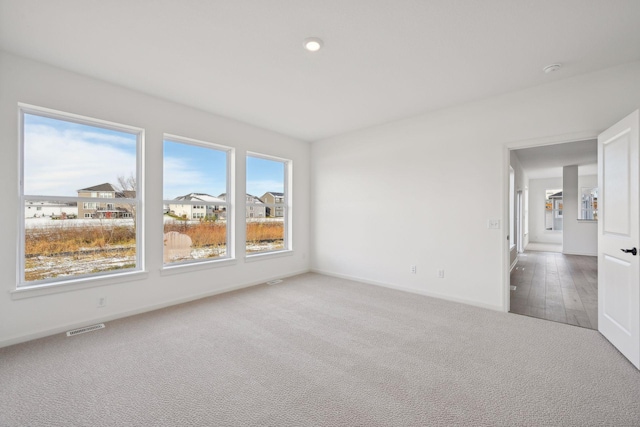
(537, 195)
(420, 190)
(33, 83)
(577, 237)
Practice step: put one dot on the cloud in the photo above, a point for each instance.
(58, 163)
(180, 178)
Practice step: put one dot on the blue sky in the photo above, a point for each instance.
(62, 157)
(193, 169)
(264, 175)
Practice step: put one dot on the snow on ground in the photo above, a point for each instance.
(47, 222)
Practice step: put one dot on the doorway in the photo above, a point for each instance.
(554, 276)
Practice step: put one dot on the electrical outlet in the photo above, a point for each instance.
(441, 273)
(413, 269)
(102, 302)
(493, 224)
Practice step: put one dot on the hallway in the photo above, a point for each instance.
(557, 287)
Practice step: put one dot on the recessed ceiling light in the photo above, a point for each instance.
(551, 68)
(312, 44)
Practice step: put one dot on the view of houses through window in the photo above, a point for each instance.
(79, 194)
(589, 203)
(266, 204)
(81, 199)
(553, 210)
(196, 212)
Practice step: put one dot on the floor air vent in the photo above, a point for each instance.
(85, 329)
(273, 282)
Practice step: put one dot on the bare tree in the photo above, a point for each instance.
(128, 186)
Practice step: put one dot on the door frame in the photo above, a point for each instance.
(519, 219)
(506, 161)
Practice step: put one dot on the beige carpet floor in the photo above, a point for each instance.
(320, 351)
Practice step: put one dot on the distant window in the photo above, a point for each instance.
(195, 174)
(62, 153)
(267, 231)
(553, 210)
(589, 203)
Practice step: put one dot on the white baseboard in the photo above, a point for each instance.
(102, 319)
(579, 253)
(410, 290)
(515, 261)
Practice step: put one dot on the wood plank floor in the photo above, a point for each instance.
(558, 287)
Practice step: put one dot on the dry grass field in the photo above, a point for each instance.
(76, 247)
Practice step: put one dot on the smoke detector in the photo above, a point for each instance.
(551, 68)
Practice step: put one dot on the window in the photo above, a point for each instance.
(66, 161)
(268, 204)
(195, 191)
(526, 210)
(553, 210)
(589, 203)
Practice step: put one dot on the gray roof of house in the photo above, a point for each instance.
(101, 187)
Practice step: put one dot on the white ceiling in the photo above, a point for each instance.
(382, 60)
(547, 161)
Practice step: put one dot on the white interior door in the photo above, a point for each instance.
(619, 231)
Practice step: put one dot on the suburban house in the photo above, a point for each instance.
(214, 208)
(441, 309)
(254, 206)
(553, 211)
(273, 198)
(104, 210)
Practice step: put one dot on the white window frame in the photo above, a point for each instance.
(137, 201)
(555, 211)
(287, 205)
(227, 205)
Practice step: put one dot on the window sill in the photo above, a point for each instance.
(75, 284)
(267, 255)
(194, 266)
